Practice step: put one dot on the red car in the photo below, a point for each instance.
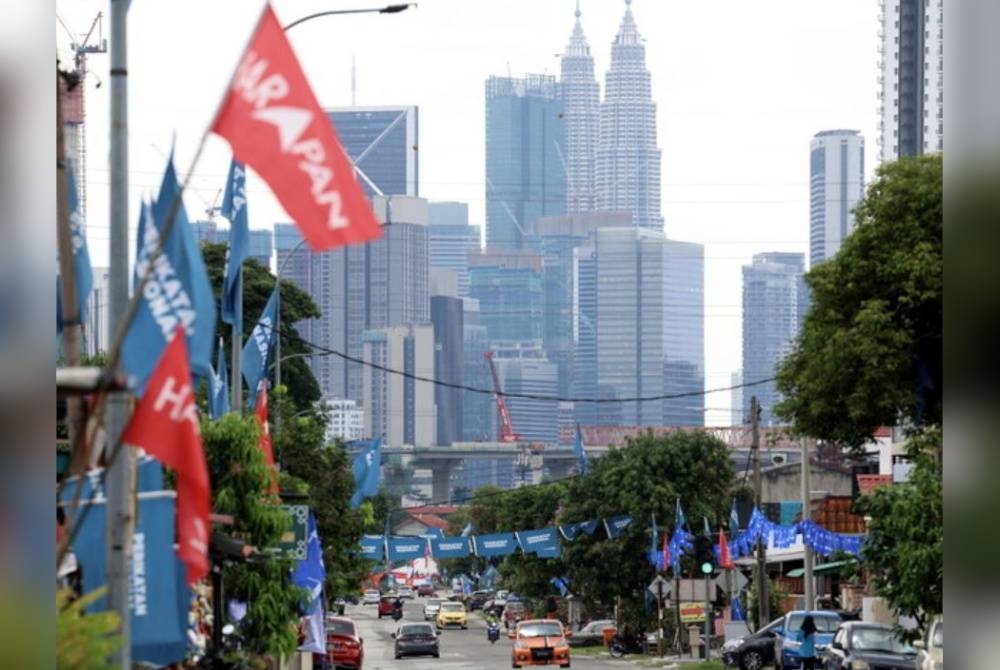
(344, 649)
(386, 606)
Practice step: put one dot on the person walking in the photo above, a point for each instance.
(807, 643)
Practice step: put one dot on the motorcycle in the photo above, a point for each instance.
(624, 643)
(397, 612)
(493, 632)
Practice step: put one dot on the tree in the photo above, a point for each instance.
(644, 478)
(904, 549)
(296, 305)
(869, 353)
(240, 479)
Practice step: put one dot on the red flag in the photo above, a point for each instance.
(265, 434)
(165, 424)
(725, 559)
(274, 124)
(666, 552)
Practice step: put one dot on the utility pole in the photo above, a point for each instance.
(810, 585)
(237, 342)
(763, 606)
(119, 481)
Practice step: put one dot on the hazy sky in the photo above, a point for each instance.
(740, 88)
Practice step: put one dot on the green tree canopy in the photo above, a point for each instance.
(869, 353)
(296, 305)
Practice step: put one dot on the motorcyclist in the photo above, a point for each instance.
(397, 608)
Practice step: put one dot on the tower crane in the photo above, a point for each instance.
(507, 433)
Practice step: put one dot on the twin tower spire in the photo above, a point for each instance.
(612, 161)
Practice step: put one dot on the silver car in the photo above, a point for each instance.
(431, 609)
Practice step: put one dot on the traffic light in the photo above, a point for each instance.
(704, 555)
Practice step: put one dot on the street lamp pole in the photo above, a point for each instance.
(388, 9)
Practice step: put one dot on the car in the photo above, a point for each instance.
(754, 651)
(426, 589)
(859, 644)
(405, 592)
(386, 606)
(371, 597)
(344, 646)
(539, 642)
(416, 639)
(452, 614)
(592, 634)
(786, 644)
(930, 650)
(513, 612)
(431, 609)
(493, 608)
(478, 598)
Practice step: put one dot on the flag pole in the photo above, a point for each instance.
(237, 344)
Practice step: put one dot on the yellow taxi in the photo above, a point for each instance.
(539, 642)
(452, 614)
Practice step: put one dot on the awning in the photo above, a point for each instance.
(819, 569)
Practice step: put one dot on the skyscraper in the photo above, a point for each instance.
(363, 287)
(525, 175)
(452, 240)
(628, 160)
(684, 333)
(508, 286)
(397, 406)
(911, 77)
(774, 298)
(449, 359)
(581, 104)
(261, 241)
(478, 409)
(523, 368)
(836, 184)
(382, 144)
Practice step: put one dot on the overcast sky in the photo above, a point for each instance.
(740, 88)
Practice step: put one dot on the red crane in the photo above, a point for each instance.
(507, 433)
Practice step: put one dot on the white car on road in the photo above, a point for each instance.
(371, 597)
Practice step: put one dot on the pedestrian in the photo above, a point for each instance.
(807, 643)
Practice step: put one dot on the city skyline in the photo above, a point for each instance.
(734, 178)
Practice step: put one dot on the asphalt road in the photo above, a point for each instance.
(460, 649)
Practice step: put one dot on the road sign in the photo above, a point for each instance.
(659, 587)
(693, 590)
(738, 581)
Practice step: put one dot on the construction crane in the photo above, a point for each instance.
(507, 433)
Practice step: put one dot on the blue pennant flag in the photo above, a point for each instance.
(581, 455)
(548, 551)
(679, 520)
(490, 575)
(737, 610)
(218, 399)
(497, 544)
(537, 541)
(680, 542)
(406, 548)
(467, 530)
(616, 525)
(257, 350)
(373, 547)
(561, 583)
(734, 521)
(708, 528)
(367, 468)
(310, 573)
(655, 555)
(83, 274)
(234, 208)
(449, 547)
(571, 531)
(177, 292)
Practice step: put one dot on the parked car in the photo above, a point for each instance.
(431, 609)
(513, 612)
(416, 639)
(754, 651)
(426, 589)
(386, 606)
(344, 647)
(786, 644)
(539, 642)
(478, 599)
(868, 645)
(592, 634)
(371, 597)
(930, 650)
(452, 614)
(405, 592)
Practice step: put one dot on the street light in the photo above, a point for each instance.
(388, 9)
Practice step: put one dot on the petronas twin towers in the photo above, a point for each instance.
(612, 160)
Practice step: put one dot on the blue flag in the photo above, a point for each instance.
(616, 525)
(734, 521)
(406, 548)
(218, 397)
(737, 610)
(571, 531)
(655, 551)
(373, 547)
(578, 450)
(257, 350)
(310, 573)
(367, 467)
(496, 544)
(234, 208)
(450, 547)
(467, 530)
(83, 274)
(177, 292)
(708, 528)
(537, 541)
(680, 541)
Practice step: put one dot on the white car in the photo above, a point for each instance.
(371, 597)
(930, 655)
(431, 609)
(405, 592)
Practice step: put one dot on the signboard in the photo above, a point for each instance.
(692, 590)
(295, 538)
(739, 582)
(660, 583)
(692, 612)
